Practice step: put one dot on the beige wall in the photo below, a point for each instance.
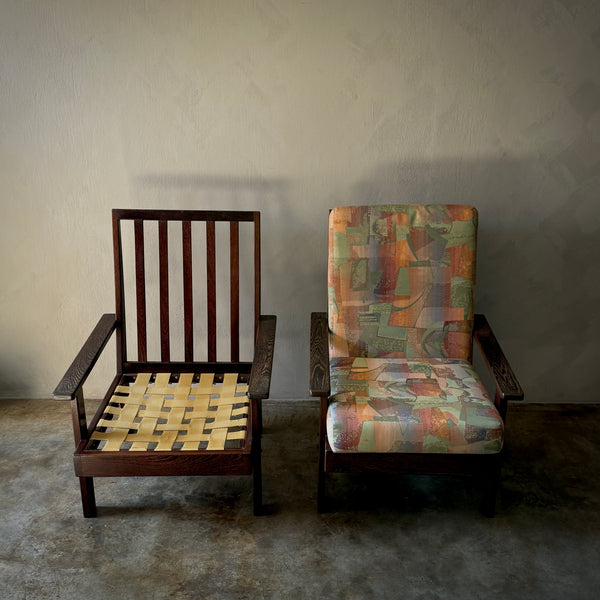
(293, 107)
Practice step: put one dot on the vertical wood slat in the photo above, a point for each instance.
(234, 289)
(119, 292)
(188, 298)
(211, 292)
(162, 220)
(163, 253)
(140, 287)
(257, 283)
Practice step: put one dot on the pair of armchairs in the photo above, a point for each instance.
(391, 361)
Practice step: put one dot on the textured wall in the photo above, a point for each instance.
(293, 107)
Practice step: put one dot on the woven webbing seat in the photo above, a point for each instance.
(167, 411)
(193, 358)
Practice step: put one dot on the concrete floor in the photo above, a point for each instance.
(408, 537)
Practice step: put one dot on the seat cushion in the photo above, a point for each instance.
(410, 405)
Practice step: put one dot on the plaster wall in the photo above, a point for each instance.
(291, 108)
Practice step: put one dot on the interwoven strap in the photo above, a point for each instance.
(174, 412)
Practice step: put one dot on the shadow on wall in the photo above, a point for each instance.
(538, 275)
(286, 271)
(12, 380)
(538, 259)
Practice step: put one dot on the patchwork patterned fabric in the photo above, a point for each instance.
(405, 405)
(401, 280)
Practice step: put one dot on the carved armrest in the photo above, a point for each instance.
(507, 385)
(319, 355)
(81, 367)
(260, 373)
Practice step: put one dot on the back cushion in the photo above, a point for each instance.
(401, 280)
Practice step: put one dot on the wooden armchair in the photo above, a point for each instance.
(177, 410)
(391, 361)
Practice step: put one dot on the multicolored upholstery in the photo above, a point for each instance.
(410, 405)
(401, 280)
(401, 286)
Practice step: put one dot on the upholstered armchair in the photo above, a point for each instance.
(391, 360)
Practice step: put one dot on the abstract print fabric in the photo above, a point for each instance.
(410, 405)
(401, 280)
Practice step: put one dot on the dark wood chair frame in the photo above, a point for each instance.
(485, 466)
(91, 463)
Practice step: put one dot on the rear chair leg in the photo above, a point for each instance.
(88, 498)
(322, 481)
(321, 493)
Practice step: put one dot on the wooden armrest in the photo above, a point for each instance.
(507, 385)
(86, 359)
(260, 373)
(319, 355)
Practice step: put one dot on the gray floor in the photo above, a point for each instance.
(389, 537)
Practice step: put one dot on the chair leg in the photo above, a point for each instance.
(492, 484)
(88, 497)
(322, 481)
(321, 492)
(323, 444)
(257, 478)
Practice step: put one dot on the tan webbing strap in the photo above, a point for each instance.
(163, 412)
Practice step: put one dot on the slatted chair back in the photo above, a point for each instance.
(179, 278)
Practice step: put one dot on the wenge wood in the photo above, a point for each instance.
(507, 385)
(140, 287)
(183, 215)
(485, 467)
(186, 367)
(78, 417)
(319, 355)
(257, 374)
(256, 418)
(88, 497)
(96, 463)
(257, 273)
(260, 375)
(409, 463)
(257, 481)
(119, 287)
(234, 289)
(163, 253)
(102, 406)
(188, 298)
(85, 360)
(323, 444)
(211, 292)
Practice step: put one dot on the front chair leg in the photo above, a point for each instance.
(322, 481)
(257, 457)
(492, 484)
(88, 497)
(257, 482)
